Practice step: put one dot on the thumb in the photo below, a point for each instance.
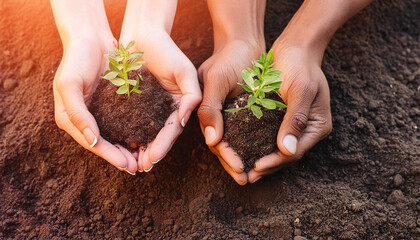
(71, 93)
(299, 100)
(209, 112)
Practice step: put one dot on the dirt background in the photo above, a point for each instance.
(362, 182)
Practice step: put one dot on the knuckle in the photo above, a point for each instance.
(204, 111)
(63, 82)
(211, 74)
(58, 121)
(327, 128)
(299, 121)
(75, 117)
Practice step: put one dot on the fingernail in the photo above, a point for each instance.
(130, 172)
(140, 170)
(121, 169)
(90, 137)
(185, 118)
(149, 169)
(258, 178)
(290, 142)
(157, 161)
(210, 134)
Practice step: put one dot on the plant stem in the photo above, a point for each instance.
(126, 78)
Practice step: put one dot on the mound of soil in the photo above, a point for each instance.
(361, 182)
(134, 121)
(250, 137)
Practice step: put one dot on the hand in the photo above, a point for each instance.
(73, 84)
(178, 76)
(220, 75)
(308, 116)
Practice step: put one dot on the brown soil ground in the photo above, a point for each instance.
(362, 182)
(133, 121)
(250, 137)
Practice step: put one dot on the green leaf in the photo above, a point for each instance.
(136, 90)
(117, 81)
(256, 111)
(245, 87)
(113, 68)
(130, 44)
(121, 47)
(257, 64)
(268, 103)
(114, 62)
(268, 79)
(233, 109)
(247, 77)
(280, 104)
(134, 65)
(135, 56)
(251, 100)
(132, 82)
(257, 83)
(269, 89)
(269, 57)
(275, 84)
(110, 75)
(123, 89)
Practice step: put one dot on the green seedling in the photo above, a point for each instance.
(120, 63)
(259, 80)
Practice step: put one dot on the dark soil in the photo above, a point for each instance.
(134, 121)
(250, 137)
(361, 182)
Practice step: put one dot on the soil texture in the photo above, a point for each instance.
(134, 121)
(361, 182)
(250, 137)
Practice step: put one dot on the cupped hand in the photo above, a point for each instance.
(308, 117)
(178, 76)
(73, 85)
(220, 75)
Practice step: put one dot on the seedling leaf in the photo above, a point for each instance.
(132, 82)
(118, 81)
(120, 63)
(123, 89)
(233, 109)
(256, 111)
(110, 75)
(251, 100)
(259, 80)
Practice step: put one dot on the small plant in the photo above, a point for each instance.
(119, 65)
(261, 79)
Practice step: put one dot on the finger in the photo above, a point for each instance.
(273, 160)
(140, 159)
(103, 148)
(299, 99)
(240, 178)
(71, 93)
(165, 138)
(254, 176)
(147, 164)
(209, 112)
(132, 163)
(230, 157)
(187, 81)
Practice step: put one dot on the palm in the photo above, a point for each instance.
(178, 76)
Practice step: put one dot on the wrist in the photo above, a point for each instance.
(311, 41)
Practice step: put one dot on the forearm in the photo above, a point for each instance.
(237, 20)
(146, 16)
(80, 19)
(316, 21)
